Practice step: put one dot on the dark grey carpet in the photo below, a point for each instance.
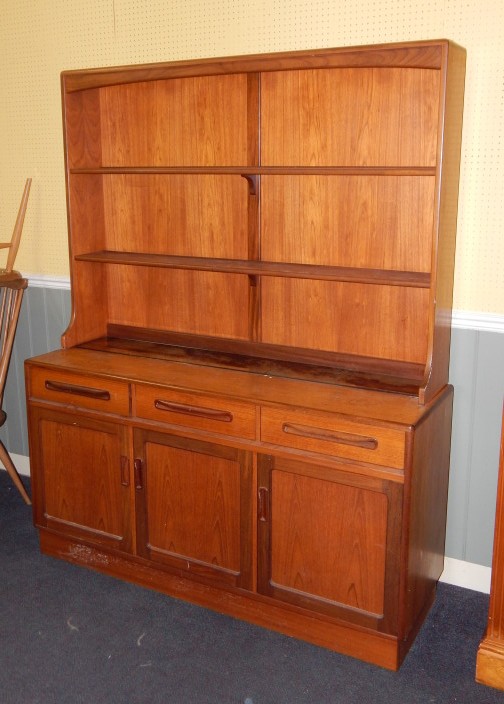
(69, 635)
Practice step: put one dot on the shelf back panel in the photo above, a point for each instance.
(350, 117)
(334, 316)
(382, 222)
(197, 302)
(210, 110)
(187, 215)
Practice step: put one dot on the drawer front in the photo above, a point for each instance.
(195, 411)
(80, 390)
(333, 436)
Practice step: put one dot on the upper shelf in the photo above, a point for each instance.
(264, 170)
(261, 268)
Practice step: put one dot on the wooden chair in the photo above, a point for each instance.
(13, 245)
(12, 287)
(11, 296)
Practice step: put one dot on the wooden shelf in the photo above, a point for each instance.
(263, 359)
(262, 170)
(415, 279)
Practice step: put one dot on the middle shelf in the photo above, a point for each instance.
(389, 277)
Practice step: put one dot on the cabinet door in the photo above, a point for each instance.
(80, 473)
(329, 541)
(194, 507)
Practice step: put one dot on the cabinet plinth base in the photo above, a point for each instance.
(490, 663)
(376, 648)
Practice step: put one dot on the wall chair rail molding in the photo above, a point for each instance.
(469, 320)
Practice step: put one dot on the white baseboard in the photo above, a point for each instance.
(467, 575)
(456, 572)
(21, 463)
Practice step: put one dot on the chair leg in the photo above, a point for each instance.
(9, 466)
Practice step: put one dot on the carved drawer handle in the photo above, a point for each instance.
(211, 413)
(367, 443)
(87, 391)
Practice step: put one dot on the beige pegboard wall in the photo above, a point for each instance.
(40, 38)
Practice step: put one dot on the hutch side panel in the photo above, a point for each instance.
(427, 493)
(82, 129)
(86, 222)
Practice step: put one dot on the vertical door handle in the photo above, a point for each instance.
(263, 504)
(138, 467)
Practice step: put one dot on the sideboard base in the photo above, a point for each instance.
(376, 648)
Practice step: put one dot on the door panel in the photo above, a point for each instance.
(193, 503)
(82, 477)
(329, 541)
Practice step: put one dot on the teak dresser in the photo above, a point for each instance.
(250, 408)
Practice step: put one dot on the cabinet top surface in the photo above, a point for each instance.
(253, 387)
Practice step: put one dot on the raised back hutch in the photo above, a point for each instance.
(250, 410)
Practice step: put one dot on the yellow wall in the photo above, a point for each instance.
(40, 38)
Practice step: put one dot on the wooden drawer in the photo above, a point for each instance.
(195, 411)
(332, 435)
(80, 390)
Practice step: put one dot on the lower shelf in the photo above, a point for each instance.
(264, 359)
(376, 648)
